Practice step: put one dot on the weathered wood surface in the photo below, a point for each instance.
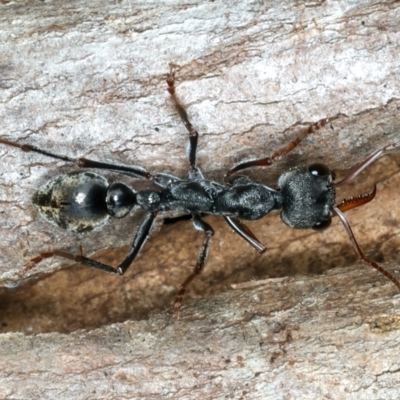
(308, 338)
(89, 80)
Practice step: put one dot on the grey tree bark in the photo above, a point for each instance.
(89, 80)
(302, 338)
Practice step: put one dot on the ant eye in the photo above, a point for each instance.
(320, 226)
(319, 170)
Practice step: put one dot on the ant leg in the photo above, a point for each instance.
(283, 150)
(358, 251)
(360, 167)
(193, 134)
(244, 231)
(134, 171)
(200, 225)
(28, 147)
(140, 237)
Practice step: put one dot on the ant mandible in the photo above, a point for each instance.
(82, 201)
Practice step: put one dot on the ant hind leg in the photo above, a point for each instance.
(138, 242)
(134, 171)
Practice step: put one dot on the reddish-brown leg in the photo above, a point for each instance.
(193, 134)
(262, 162)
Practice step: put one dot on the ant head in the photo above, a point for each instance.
(307, 197)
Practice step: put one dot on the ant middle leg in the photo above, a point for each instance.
(138, 242)
(193, 134)
(200, 225)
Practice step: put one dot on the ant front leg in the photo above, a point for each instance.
(239, 227)
(200, 225)
(245, 232)
(138, 242)
(262, 162)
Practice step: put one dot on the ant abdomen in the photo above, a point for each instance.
(75, 201)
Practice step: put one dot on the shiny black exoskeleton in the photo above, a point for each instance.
(82, 201)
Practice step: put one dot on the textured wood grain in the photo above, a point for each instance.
(90, 81)
(303, 338)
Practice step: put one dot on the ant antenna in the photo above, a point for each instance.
(358, 250)
(358, 168)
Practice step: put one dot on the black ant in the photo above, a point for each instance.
(82, 201)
